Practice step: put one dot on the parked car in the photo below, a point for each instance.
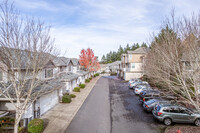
(134, 84)
(168, 113)
(149, 94)
(134, 80)
(150, 104)
(142, 87)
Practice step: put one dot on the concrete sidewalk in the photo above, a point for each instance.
(59, 118)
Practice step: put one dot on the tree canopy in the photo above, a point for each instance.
(113, 56)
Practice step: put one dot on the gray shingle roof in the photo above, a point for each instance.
(82, 73)
(68, 76)
(65, 60)
(58, 61)
(114, 63)
(141, 50)
(41, 89)
(22, 59)
(75, 61)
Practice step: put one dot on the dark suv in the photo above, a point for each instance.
(149, 94)
(150, 104)
(169, 113)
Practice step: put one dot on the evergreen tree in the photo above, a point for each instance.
(103, 59)
(144, 45)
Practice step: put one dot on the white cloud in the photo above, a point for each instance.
(105, 24)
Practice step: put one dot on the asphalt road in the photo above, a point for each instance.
(113, 108)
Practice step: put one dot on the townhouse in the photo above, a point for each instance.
(60, 75)
(132, 64)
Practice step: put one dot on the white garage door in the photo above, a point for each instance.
(48, 101)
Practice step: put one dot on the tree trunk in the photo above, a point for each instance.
(17, 120)
(16, 127)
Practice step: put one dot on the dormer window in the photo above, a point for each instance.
(1, 76)
(48, 73)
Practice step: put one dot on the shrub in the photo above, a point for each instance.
(82, 85)
(90, 78)
(87, 80)
(66, 99)
(76, 89)
(103, 72)
(36, 126)
(97, 74)
(72, 95)
(113, 73)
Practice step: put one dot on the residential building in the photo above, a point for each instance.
(60, 75)
(132, 64)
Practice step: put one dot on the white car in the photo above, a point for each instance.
(141, 88)
(131, 85)
(133, 80)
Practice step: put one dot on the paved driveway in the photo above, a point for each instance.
(112, 108)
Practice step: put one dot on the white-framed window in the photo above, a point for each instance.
(1, 76)
(130, 57)
(132, 65)
(48, 73)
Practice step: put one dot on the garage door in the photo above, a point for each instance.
(48, 101)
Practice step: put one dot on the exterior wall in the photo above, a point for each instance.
(74, 69)
(82, 79)
(29, 113)
(68, 86)
(6, 106)
(136, 58)
(48, 101)
(130, 75)
(138, 67)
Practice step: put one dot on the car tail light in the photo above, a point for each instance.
(143, 99)
(159, 113)
(147, 106)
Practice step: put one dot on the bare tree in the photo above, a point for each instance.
(25, 47)
(174, 58)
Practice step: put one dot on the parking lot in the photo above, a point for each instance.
(112, 107)
(127, 113)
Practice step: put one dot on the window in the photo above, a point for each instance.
(174, 110)
(166, 110)
(48, 73)
(132, 65)
(1, 76)
(130, 57)
(69, 68)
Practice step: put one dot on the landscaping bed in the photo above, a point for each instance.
(183, 129)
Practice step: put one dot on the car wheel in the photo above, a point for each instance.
(167, 121)
(197, 122)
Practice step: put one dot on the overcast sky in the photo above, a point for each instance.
(103, 25)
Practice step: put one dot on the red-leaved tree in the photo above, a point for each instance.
(88, 60)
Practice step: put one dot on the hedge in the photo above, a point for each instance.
(72, 95)
(66, 99)
(87, 80)
(36, 126)
(82, 85)
(76, 89)
(97, 74)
